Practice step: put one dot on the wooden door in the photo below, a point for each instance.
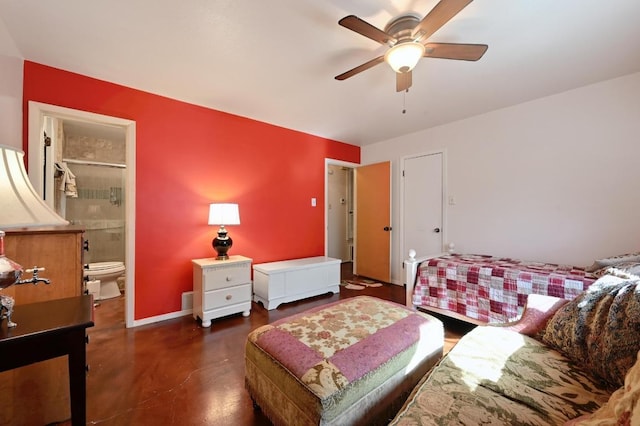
(422, 210)
(373, 221)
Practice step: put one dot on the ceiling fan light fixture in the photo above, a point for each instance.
(404, 56)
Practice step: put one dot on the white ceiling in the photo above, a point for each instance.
(275, 61)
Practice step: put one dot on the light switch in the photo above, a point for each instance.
(313, 202)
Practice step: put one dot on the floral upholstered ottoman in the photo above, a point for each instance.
(354, 361)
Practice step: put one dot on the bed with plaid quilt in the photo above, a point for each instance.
(492, 289)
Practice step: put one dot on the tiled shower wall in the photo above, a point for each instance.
(99, 206)
(94, 149)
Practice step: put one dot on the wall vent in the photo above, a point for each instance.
(187, 301)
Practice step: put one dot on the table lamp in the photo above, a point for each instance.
(20, 204)
(223, 214)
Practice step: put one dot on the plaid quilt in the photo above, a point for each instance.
(493, 289)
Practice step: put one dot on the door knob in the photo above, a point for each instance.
(387, 228)
(436, 230)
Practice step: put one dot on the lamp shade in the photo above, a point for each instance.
(20, 204)
(224, 214)
(404, 56)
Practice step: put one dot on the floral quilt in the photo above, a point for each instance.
(493, 289)
(331, 347)
(354, 361)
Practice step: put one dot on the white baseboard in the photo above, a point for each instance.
(163, 317)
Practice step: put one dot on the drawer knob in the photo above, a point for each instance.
(228, 279)
(229, 297)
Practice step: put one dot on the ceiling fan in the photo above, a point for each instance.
(407, 35)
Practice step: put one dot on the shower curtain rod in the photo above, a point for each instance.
(94, 163)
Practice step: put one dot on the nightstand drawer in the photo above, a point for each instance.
(227, 296)
(227, 276)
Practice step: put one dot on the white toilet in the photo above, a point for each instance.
(107, 273)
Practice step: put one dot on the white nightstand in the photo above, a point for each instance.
(221, 288)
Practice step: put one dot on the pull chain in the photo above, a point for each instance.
(404, 101)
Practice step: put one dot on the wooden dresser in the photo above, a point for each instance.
(38, 394)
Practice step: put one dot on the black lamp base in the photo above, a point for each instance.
(221, 244)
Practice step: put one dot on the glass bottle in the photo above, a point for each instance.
(10, 271)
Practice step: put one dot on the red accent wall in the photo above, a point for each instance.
(188, 156)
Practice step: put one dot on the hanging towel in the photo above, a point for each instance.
(68, 181)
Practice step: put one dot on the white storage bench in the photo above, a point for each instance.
(288, 280)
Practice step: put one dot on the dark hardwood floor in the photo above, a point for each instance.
(178, 373)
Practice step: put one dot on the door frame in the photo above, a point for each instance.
(37, 112)
(403, 159)
(327, 162)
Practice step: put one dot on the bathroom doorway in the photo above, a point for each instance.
(100, 152)
(339, 225)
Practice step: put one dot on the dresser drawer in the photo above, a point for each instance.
(226, 276)
(227, 296)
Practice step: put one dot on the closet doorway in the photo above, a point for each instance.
(51, 118)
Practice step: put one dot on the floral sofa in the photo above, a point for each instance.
(564, 362)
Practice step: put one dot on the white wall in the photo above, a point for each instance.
(556, 179)
(11, 65)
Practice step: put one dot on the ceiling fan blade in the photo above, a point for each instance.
(403, 81)
(360, 68)
(439, 15)
(465, 52)
(364, 28)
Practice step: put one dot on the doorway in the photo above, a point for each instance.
(360, 262)
(338, 217)
(340, 212)
(52, 120)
